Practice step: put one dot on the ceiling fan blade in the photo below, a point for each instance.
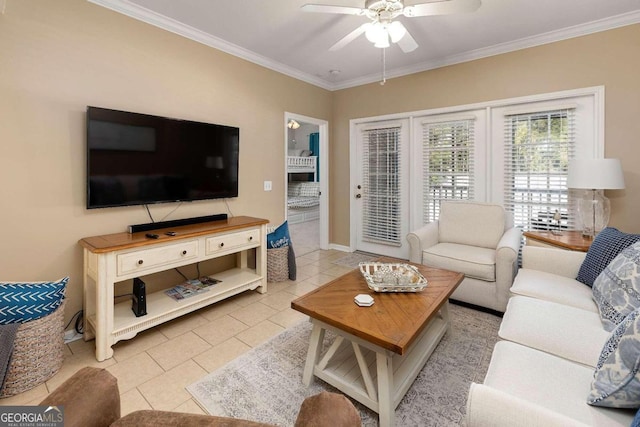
(350, 37)
(324, 8)
(407, 43)
(445, 7)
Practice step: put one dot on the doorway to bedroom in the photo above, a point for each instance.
(306, 182)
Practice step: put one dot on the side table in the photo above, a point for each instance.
(571, 240)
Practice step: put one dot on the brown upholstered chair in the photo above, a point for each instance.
(91, 398)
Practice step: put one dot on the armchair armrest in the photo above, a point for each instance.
(557, 261)
(90, 398)
(421, 239)
(507, 263)
(489, 407)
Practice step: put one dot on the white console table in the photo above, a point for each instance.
(113, 258)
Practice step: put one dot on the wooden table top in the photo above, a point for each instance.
(395, 319)
(567, 239)
(124, 240)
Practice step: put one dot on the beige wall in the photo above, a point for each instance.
(57, 57)
(611, 59)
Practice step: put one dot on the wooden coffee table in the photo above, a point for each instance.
(379, 350)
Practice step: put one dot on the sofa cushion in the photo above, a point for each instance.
(549, 381)
(471, 223)
(567, 332)
(553, 287)
(616, 291)
(22, 302)
(605, 247)
(473, 261)
(616, 382)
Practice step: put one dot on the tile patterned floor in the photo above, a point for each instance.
(154, 368)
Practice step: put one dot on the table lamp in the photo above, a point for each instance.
(594, 175)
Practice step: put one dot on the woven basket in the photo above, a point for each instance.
(278, 264)
(38, 352)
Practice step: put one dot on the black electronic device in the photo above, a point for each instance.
(152, 235)
(139, 298)
(176, 223)
(138, 159)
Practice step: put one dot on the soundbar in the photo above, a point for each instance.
(176, 223)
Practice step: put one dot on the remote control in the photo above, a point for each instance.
(152, 236)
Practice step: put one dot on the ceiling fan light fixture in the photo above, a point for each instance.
(396, 31)
(383, 41)
(375, 32)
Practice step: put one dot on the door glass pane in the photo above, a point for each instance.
(381, 187)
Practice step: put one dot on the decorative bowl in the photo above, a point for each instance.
(390, 277)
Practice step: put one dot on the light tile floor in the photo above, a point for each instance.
(154, 368)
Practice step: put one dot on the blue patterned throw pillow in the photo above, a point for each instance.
(279, 238)
(616, 381)
(22, 302)
(616, 291)
(605, 247)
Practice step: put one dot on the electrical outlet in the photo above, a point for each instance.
(268, 186)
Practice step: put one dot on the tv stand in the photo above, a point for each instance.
(113, 258)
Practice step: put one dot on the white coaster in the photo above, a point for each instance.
(364, 300)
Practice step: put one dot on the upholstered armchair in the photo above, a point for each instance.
(477, 239)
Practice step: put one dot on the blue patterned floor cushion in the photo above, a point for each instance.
(605, 247)
(616, 291)
(616, 382)
(22, 302)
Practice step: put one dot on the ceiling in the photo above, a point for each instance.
(278, 35)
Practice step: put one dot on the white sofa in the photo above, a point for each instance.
(477, 239)
(551, 338)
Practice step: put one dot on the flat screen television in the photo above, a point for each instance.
(138, 159)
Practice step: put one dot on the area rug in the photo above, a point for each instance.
(265, 384)
(353, 259)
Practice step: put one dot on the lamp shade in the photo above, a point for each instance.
(595, 174)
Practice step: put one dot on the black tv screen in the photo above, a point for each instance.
(137, 159)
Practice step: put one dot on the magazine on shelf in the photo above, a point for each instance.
(191, 287)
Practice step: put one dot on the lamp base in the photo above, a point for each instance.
(594, 209)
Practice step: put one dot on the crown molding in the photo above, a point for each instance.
(140, 13)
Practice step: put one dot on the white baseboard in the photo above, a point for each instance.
(340, 247)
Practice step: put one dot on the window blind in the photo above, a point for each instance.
(381, 213)
(448, 166)
(538, 147)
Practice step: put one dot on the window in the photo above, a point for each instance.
(448, 164)
(538, 147)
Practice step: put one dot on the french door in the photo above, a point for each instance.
(381, 188)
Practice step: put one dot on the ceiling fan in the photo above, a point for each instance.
(382, 13)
